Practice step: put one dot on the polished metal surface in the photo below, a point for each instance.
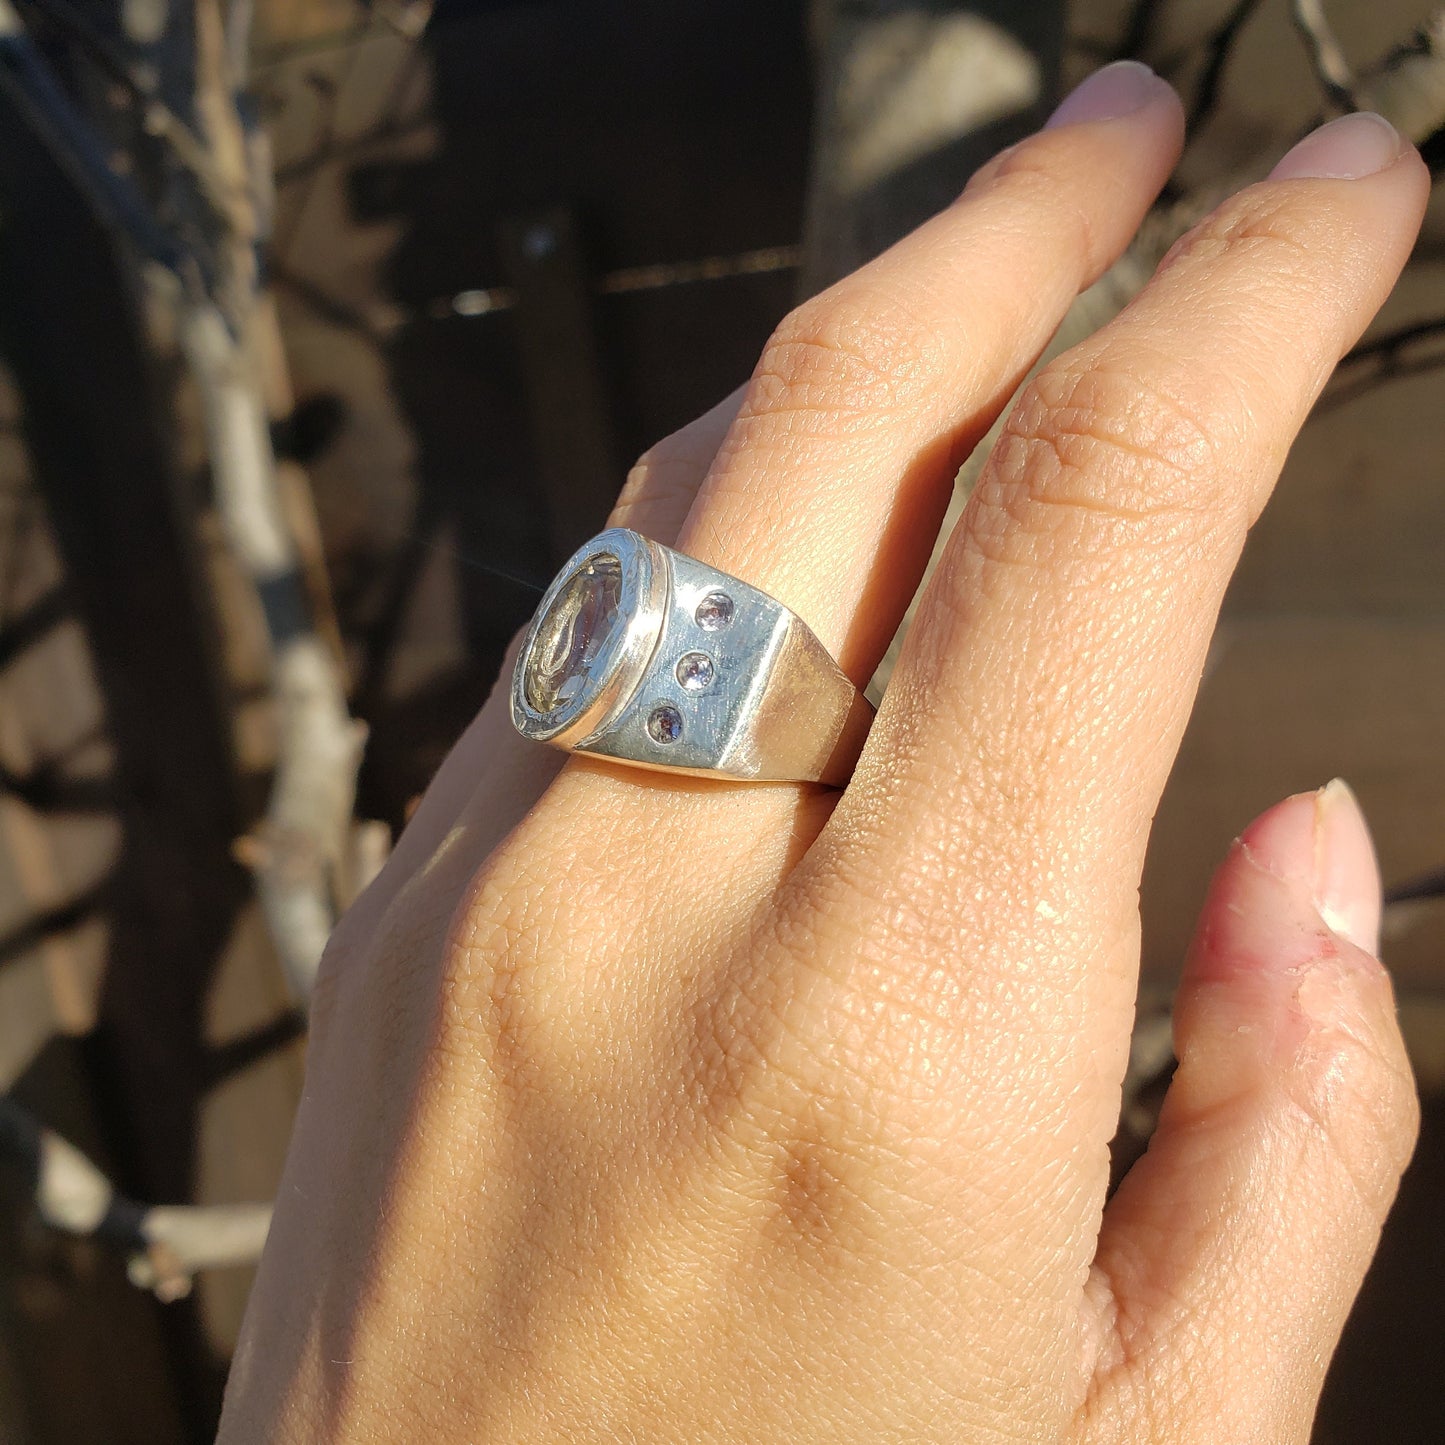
(644, 655)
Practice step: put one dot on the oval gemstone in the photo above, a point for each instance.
(573, 633)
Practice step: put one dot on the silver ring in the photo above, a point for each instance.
(644, 655)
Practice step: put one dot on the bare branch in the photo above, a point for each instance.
(302, 852)
(1333, 71)
(1139, 28)
(157, 117)
(1218, 50)
(165, 1246)
(1389, 345)
(1432, 885)
(1408, 86)
(31, 86)
(183, 1240)
(1391, 356)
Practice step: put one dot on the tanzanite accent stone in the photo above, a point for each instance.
(695, 671)
(714, 612)
(665, 724)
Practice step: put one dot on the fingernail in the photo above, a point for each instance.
(1321, 842)
(1347, 877)
(1345, 149)
(1117, 89)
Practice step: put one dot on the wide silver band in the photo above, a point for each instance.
(647, 656)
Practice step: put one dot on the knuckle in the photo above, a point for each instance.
(853, 350)
(640, 476)
(377, 956)
(487, 995)
(345, 951)
(659, 482)
(1098, 450)
(1036, 177)
(678, 454)
(1258, 225)
(805, 1135)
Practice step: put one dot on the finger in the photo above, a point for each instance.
(661, 487)
(1084, 185)
(490, 763)
(837, 464)
(1002, 806)
(816, 465)
(1232, 1252)
(831, 485)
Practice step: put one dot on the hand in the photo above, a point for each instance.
(641, 1109)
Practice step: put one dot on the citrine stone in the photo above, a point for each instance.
(572, 635)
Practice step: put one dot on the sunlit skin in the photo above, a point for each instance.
(655, 1110)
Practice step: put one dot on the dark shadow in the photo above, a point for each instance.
(26, 629)
(50, 789)
(312, 426)
(1384, 1383)
(667, 131)
(237, 1054)
(50, 921)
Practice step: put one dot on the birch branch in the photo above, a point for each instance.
(165, 1246)
(302, 851)
(1335, 75)
(1408, 86)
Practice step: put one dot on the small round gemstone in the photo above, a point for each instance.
(695, 671)
(665, 724)
(714, 612)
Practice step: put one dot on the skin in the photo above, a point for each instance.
(652, 1110)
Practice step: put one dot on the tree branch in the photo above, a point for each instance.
(1331, 68)
(1408, 85)
(1383, 359)
(302, 853)
(1218, 49)
(165, 1246)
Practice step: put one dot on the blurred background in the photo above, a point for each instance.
(330, 328)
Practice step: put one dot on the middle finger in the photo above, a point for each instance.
(831, 484)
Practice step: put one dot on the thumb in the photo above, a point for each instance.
(1231, 1254)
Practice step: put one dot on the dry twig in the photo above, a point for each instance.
(164, 1246)
(1335, 76)
(301, 852)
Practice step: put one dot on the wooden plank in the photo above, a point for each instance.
(1290, 703)
(1357, 522)
(571, 418)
